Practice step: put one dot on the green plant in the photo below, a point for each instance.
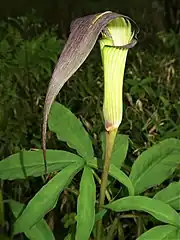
(151, 168)
(83, 36)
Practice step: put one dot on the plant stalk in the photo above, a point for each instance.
(110, 138)
(99, 181)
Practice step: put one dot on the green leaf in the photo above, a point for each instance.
(31, 163)
(120, 149)
(40, 231)
(69, 129)
(99, 215)
(46, 199)
(117, 174)
(16, 207)
(166, 232)
(155, 165)
(170, 195)
(161, 211)
(86, 205)
(122, 178)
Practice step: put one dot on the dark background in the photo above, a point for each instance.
(157, 14)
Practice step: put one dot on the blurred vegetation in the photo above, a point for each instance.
(29, 49)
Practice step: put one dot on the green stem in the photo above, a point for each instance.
(110, 138)
(99, 181)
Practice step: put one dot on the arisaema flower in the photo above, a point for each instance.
(84, 32)
(118, 33)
